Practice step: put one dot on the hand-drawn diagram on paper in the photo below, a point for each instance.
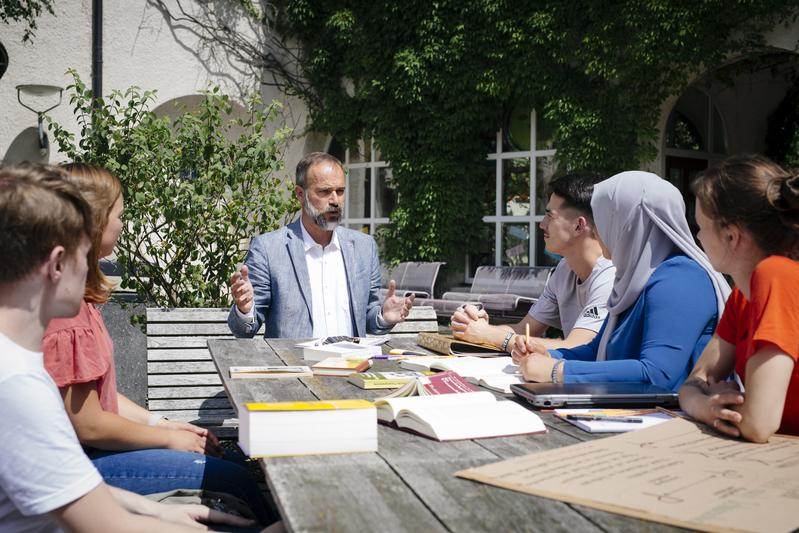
(679, 473)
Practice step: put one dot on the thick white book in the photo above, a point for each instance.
(307, 428)
(372, 340)
(495, 373)
(469, 415)
(344, 350)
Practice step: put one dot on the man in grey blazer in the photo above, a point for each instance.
(313, 278)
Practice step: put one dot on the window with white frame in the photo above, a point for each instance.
(523, 161)
(371, 194)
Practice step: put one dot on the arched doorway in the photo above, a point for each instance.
(695, 137)
(725, 112)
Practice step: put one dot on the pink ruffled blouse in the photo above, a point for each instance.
(80, 350)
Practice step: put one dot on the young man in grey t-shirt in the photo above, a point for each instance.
(575, 297)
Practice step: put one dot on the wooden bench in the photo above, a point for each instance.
(182, 381)
(502, 290)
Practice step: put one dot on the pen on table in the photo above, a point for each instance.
(406, 352)
(400, 353)
(589, 418)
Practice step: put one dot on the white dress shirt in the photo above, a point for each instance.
(330, 295)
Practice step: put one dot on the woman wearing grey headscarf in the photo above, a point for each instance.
(666, 297)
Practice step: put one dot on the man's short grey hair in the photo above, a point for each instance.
(310, 160)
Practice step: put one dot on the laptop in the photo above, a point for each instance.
(594, 394)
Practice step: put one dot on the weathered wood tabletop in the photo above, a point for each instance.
(408, 485)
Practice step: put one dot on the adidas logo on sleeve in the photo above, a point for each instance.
(593, 312)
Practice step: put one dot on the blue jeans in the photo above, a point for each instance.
(160, 470)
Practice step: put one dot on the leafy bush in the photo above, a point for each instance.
(195, 187)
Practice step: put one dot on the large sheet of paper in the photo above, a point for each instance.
(678, 473)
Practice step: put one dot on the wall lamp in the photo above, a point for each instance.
(40, 92)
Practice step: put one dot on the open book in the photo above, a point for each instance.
(448, 345)
(471, 415)
(428, 385)
(496, 373)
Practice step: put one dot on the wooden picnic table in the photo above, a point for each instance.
(408, 484)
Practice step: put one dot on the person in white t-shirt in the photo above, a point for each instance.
(576, 294)
(46, 481)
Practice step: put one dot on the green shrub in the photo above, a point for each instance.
(195, 187)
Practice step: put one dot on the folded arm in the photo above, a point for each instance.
(754, 415)
(109, 431)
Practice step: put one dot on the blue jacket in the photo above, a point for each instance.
(279, 275)
(657, 340)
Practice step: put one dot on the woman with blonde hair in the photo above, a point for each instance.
(748, 214)
(132, 448)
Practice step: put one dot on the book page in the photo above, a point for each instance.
(423, 363)
(392, 406)
(677, 472)
(478, 367)
(499, 382)
(456, 422)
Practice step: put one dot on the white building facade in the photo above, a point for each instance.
(720, 113)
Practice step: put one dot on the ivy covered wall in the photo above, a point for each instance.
(434, 80)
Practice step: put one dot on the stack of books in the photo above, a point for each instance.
(382, 380)
(343, 350)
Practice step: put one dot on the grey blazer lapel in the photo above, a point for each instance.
(296, 248)
(348, 253)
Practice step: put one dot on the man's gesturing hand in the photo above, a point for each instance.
(396, 308)
(241, 289)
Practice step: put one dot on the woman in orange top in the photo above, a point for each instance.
(748, 214)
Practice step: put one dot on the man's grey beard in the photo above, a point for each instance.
(319, 216)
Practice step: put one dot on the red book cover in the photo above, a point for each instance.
(446, 383)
